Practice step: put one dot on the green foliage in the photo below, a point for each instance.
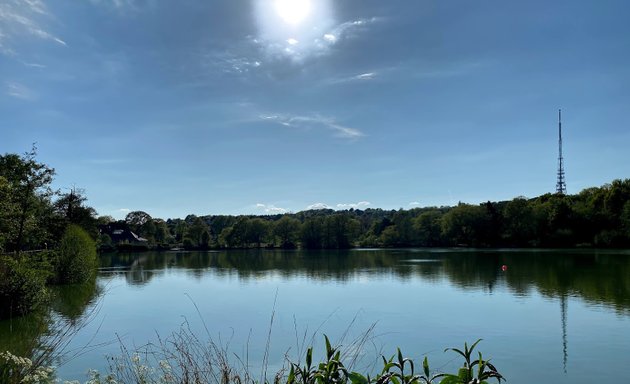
(467, 374)
(396, 370)
(76, 258)
(287, 230)
(26, 190)
(22, 285)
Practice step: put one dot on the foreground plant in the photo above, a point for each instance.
(396, 370)
(466, 374)
(184, 358)
(16, 369)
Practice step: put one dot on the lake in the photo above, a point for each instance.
(543, 315)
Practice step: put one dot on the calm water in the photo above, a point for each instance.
(551, 316)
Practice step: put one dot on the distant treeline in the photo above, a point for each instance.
(597, 217)
(33, 216)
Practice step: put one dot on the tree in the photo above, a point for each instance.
(196, 232)
(427, 227)
(76, 262)
(29, 182)
(135, 219)
(71, 207)
(520, 222)
(162, 234)
(256, 231)
(142, 224)
(287, 230)
(463, 225)
(340, 231)
(6, 212)
(312, 233)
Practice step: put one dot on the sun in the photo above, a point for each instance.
(293, 11)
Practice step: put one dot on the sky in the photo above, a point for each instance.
(271, 106)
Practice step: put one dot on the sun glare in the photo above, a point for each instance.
(294, 28)
(293, 11)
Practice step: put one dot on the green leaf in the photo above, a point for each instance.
(451, 379)
(357, 378)
(456, 350)
(473, 346)
(291, 377)
(328, 347)
(425, 366)
(464, 375)
(309, 357)
(388, 366)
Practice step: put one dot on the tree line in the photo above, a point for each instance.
(595, 217)
(33, 216)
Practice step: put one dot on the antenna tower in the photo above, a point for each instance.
(561, 186)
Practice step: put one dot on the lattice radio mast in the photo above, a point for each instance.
(561, 186)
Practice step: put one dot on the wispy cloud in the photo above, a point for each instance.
(315, 121)
(319, 206)
(359, 205)
(19, 19)
(270, 208)
(120, 5)
(34, 65)
(349, 28)
(414, 203)
(19, 91)
(361, 77)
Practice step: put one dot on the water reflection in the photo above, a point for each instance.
(50, 328)
(599, 278)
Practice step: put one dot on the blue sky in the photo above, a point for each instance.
(255, 107)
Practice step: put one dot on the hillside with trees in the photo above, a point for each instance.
(595, 217)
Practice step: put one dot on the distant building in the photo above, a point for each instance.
(121, 235)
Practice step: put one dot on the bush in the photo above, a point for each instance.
(76, 259)
(22, 286)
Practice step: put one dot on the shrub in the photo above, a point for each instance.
(16, 369)
(76, 259)
(22, 286)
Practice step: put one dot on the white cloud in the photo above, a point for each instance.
(36, 6)
(319, 206)
(359, 205)
(365, 76)
(346, 28)
(34, 65)
(19, 91)
(22, 18)
(359, 78)
(123, 210)
(315, 121)
(414, 203)
(270, 208)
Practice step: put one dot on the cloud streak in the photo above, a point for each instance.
(19, 91)
(315, 121)
(19, 19)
